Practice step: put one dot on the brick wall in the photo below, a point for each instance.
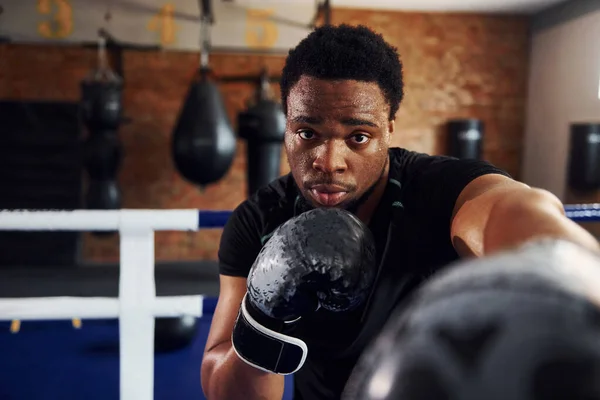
(455, 66)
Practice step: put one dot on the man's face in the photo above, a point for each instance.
(337, 140)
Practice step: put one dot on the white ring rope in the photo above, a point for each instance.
(137, 304)
(100, 220)
(57, 308)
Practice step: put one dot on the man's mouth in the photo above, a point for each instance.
(328, 195)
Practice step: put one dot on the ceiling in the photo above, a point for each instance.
(487, 6)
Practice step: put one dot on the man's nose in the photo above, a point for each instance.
(330, 158)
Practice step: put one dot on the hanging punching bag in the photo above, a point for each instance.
(103, 154)
(262, 125)
(102, 104)
(203, 142)
(102, 112)
(584, 157)
(465, 138)
(103, 195)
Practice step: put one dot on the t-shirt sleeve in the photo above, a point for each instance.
(439, 181)
(240, 241)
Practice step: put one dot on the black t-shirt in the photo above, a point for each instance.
(412, 230)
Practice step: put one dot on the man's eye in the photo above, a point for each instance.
(360, 139)
(306, 135)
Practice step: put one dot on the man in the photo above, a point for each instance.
(341, 88)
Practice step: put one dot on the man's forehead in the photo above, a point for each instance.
(312, 85)
(314, 113)
(312, 98)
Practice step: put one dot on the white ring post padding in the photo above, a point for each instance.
(137, 292)
(137, 289)
(99, 220)
(58, 308)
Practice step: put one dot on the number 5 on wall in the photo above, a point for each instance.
(61, 24)
(261, 32)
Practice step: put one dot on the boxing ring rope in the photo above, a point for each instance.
(137, 304)
(583, 212)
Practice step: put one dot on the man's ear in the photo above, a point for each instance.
(391, 126)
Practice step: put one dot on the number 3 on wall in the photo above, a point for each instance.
(61, 24)
(261, 32)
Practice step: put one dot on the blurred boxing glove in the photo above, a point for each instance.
(519, 325)
(322, 258)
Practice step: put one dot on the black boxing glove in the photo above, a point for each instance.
(507, 326)
(321, 258)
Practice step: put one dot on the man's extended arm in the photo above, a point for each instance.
(224, 374)
(495, 213)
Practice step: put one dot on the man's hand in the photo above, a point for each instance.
(496, 213)
(532, 310)
(324, 258)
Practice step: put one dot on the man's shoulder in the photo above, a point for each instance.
(279, 193)
(251, 221)
(405, 157)
(269, 203)
(406, 165)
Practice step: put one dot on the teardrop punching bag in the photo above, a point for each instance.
(262, 125)
(465, 138)
(203, 142)
(584, 157)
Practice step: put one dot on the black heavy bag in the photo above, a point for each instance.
(102, 104)
(262, 125)
(103, 154)
(584, 157)
(203, 143)
(103, 195)
(465, 138)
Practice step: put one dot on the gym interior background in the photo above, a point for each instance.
(457, 65)
(528, 78)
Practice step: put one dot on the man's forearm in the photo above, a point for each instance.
(518, 219)
(226, 376)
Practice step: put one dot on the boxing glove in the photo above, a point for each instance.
(321, 258)
(520, 325)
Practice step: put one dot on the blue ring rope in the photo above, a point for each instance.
(214, 219)
(583, 212)
(576, 212)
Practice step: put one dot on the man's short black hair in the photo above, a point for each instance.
(346, 52)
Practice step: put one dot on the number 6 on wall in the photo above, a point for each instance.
(261, 32)
(61, 24)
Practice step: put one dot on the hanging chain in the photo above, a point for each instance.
(104, 71)
(205, 25)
